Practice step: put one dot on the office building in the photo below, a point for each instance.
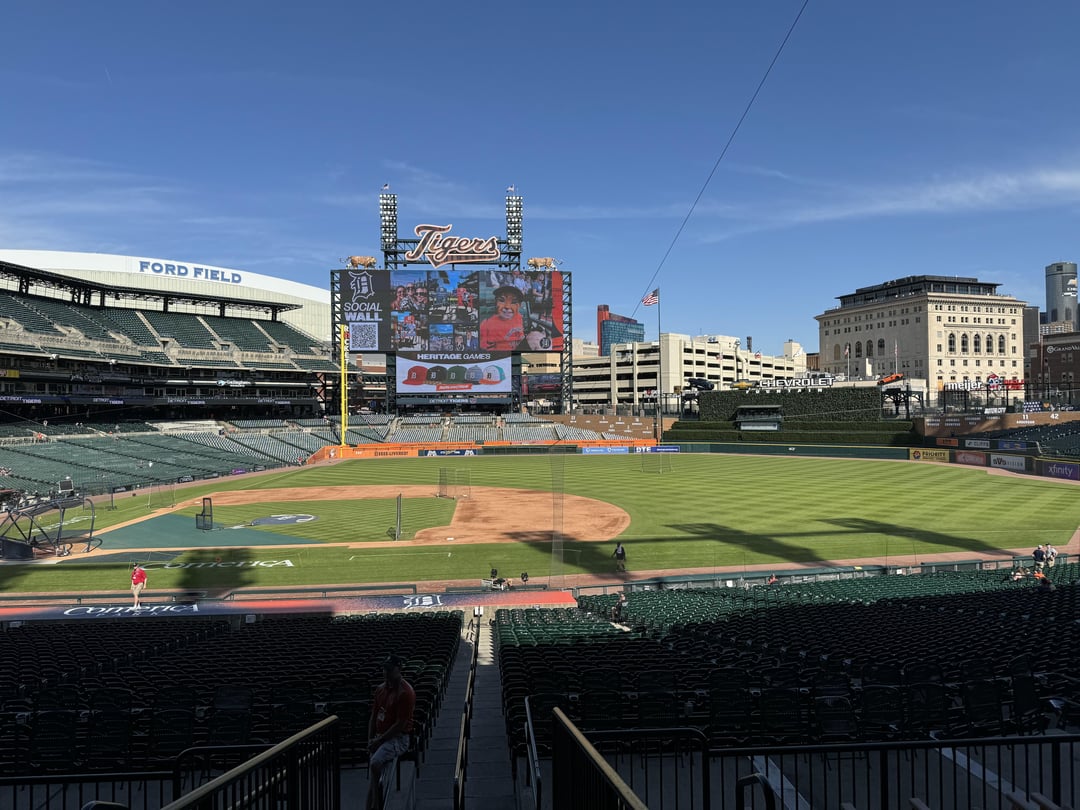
(612, 329)
(944, 329)
(633, 372)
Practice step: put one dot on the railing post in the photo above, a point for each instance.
(883, 778)
(1055, 770)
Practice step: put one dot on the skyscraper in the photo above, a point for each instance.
(612, 329)
(1061, 295)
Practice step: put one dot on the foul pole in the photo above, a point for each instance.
(343, 337)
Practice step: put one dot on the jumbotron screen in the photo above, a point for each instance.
(477, 372)
(452, 311)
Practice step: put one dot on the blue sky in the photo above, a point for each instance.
(890, 140)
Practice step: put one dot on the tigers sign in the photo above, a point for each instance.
(440, 249)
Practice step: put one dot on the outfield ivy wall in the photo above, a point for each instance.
(831, 404)
(817, 450)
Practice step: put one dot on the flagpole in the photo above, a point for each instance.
(658, 428)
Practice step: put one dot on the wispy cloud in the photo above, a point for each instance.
(1030, 189)
(57, 202)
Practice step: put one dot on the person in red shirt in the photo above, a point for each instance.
(505, 330)
(138, 582)
(388, 729)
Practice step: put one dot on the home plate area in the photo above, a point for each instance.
(283, 520)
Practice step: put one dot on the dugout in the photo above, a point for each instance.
(759, 417)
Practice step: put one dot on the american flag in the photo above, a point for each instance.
(845, 351)
(652, 298)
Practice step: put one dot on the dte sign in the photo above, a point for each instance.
(183, 271)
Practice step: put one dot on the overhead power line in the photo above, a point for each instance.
(727, 145)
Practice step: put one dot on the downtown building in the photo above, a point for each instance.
(633, 373)
(941, 329)
(612, 329)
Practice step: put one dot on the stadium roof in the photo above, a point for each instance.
(91, 293)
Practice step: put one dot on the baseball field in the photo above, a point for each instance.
(334, 524)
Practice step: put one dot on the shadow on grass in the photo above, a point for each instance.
(216, 572)
(864, 526)
(796, 546)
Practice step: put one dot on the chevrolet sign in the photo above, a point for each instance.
(799, 382)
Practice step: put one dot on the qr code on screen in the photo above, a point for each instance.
(363, 337)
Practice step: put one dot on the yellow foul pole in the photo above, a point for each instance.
(343, 338)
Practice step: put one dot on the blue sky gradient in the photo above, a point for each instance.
(890, 140)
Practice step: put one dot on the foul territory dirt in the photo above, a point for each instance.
(486, 515)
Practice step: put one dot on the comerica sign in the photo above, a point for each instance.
(440, 249)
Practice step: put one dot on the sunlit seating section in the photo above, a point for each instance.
(186, 329)
(418, 434)
(365, 435)
(568, 433)
(130, 323)
(242, 332)
(16, 308)
(288, 335)
(473, 433)
(530, 433)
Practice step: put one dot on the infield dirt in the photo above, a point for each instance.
(487, 515)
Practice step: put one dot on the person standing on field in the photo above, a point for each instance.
(620, 557)
(138, 582)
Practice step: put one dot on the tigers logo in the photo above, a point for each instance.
(440, 249)
(360, 285)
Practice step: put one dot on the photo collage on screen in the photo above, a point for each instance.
(453, 311)
(434, 310)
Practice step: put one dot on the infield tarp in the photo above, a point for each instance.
(179, 531)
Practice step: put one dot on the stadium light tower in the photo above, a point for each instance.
(388, 220)
(513, 222)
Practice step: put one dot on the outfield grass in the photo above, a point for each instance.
(710, 511)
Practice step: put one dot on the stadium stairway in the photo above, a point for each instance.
(489, 784)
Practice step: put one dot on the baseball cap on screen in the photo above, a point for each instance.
(417, 376)
(493, 374)
(457, 374)
(436, 374)
(474, 374)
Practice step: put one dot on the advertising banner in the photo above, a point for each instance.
(1061, 469)
(539, 385)
(452, 310)
(1003, 462)
(928, 455)
(981, 444)
(971, 457)
(442, 373)
(433, 453)
(596, 451)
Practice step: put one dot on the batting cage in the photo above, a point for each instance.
(204, 521)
